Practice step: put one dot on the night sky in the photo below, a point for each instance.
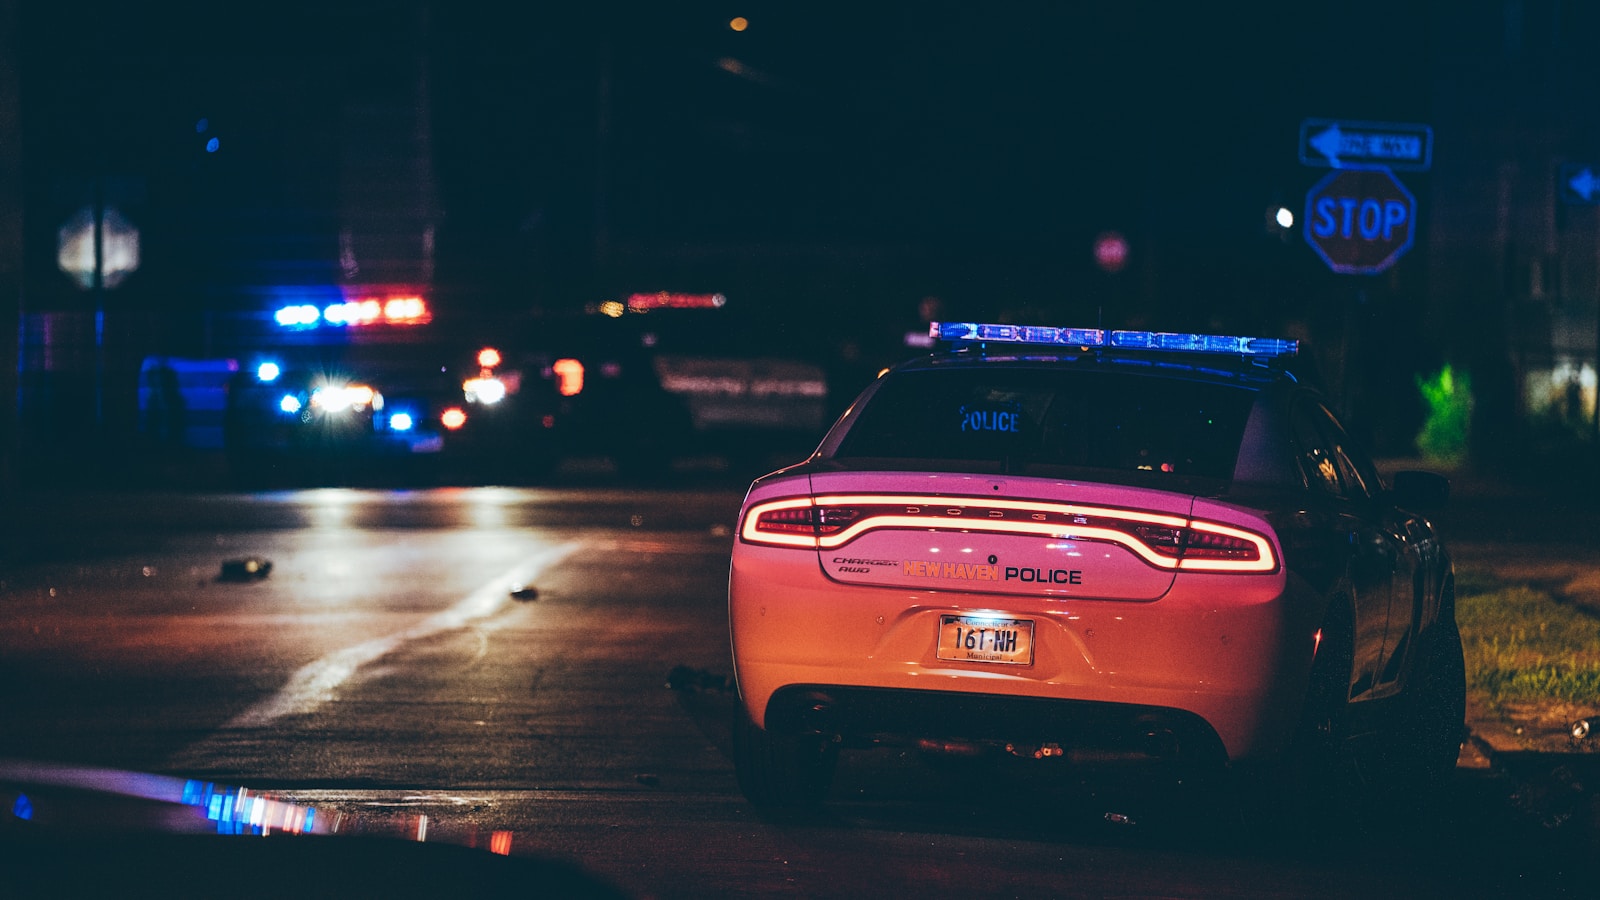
(858, 155)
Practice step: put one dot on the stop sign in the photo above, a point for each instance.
(1360, 219)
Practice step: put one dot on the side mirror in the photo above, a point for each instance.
(1420, 490)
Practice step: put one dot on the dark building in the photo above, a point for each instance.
(1514, 255)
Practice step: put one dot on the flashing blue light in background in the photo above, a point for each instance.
(201, 126)
(268, 372)
(401, 421)
(23, 808)
(289, 404)
(212, 145)
(300, 315)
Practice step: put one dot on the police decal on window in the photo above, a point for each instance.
(1002, 418)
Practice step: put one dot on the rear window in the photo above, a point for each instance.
(1017, 419)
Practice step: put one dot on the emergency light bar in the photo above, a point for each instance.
(1050, 335)
(400, 310)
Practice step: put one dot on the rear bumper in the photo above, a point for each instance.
(1085, 732)
(1220, 661)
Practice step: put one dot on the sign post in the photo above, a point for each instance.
(1360, 219)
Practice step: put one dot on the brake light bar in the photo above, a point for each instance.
(1164, 541)
(674, 300)
(1050, 335)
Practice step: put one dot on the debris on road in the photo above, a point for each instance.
(1582, 728)
(251, 568)
(524, 592)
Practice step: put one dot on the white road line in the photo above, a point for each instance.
(315, 683)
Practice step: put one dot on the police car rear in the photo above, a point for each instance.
(1058, 543)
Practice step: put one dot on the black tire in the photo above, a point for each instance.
(781, 771)
(1429, 738)
(1319, 782)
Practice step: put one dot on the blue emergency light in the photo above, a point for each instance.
(1050, 335)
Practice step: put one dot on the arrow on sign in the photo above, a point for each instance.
(1584, 184)
(1328, 144)
(1339, 144)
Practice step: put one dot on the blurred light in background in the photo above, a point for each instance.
(487, 391)
(299, 315)
(570, 373)
(119, 247)
(1111, 251)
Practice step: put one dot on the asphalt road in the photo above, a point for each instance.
(552, 663)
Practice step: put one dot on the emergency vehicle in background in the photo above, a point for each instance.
(653, 378)
(365, 387)
(373, 384)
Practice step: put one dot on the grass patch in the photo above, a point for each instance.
(1521, 645)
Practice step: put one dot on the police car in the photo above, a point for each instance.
(366, 383)
(1096, 547)
(378, 412)
(666, 375)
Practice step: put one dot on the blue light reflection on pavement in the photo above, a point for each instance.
(233, 810)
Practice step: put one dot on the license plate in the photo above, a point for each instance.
(983, 639)
(430, 444)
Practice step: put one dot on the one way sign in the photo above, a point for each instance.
(1335, 143)
(1579, 184)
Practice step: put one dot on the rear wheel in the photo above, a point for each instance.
(1428, 739)
(781, 771)
(1318, 782)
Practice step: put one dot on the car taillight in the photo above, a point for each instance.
(1202, 543)
(814, 521)
(1197, 541)
(1164, 541)
(834, 519)
(1161, 538)
(788, 521)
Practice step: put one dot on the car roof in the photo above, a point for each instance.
(1263, 458)
(1239, 371)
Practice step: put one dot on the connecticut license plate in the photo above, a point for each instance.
(983, 639)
